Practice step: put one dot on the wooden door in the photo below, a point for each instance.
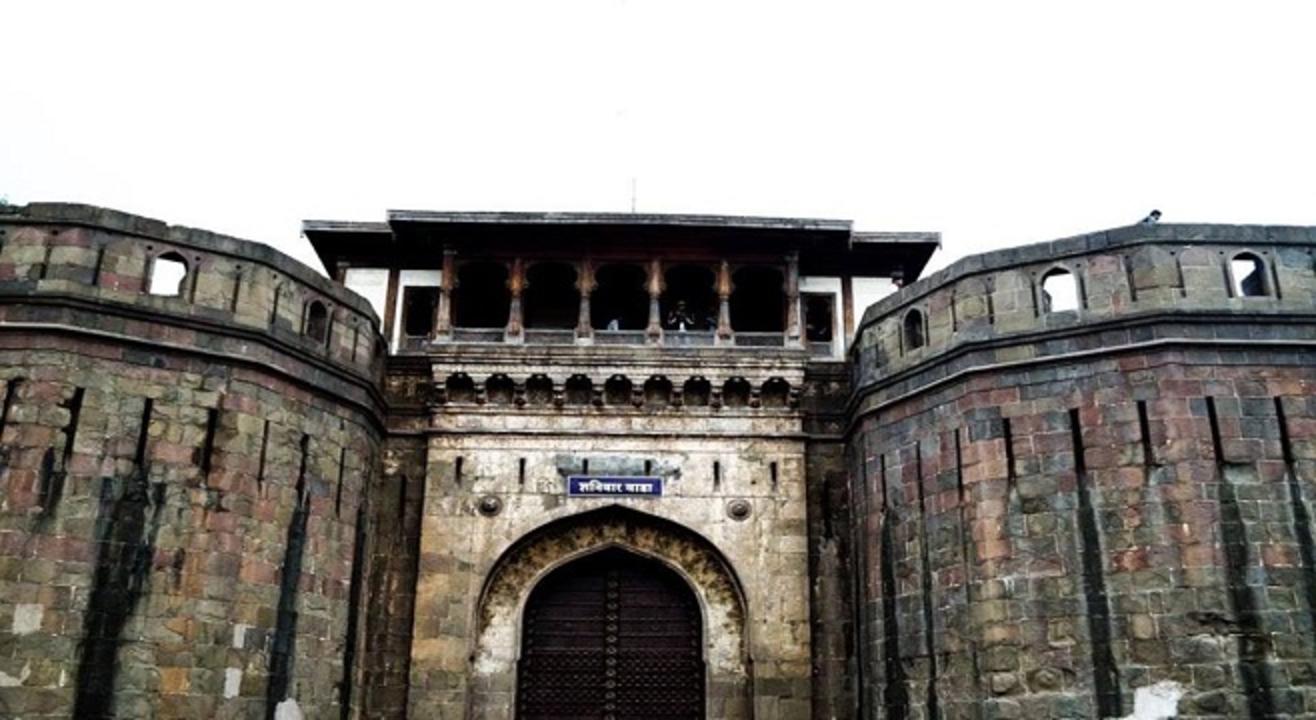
(612, 636)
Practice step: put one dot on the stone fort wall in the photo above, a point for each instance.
(1054, 509)
(183, 505)
(1019, 510)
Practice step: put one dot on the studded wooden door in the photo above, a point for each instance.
(612, 636)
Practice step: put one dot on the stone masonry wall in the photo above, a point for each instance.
(397, 502)
(734, 510)
(831, 542)
(182, 478)
(1059, 509)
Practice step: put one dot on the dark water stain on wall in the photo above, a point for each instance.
(1105, 671)
(1253, 643)
(126, 528)
(285, 627)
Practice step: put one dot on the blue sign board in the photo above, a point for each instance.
(613, 486)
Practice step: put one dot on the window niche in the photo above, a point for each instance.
(539, 390)
(579, 390)
(914, 330)
(735, 393)
(1060, 292)
(697, 392)
(500, 390)
(460, 388)
(658, 392)
(316, 326)
(1247, 274)
(617, 390)
(775, 393)
(166, 275)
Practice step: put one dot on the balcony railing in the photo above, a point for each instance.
(621, 338)
(688, 338)
(480, 335)
(760, 339)
(541, 336)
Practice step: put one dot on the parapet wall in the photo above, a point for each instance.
(1126, 278)
(79, 256)
(1057, 511)
(184, 478)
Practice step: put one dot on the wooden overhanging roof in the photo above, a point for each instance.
(417, 238)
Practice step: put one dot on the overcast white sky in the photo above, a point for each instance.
(997, 123)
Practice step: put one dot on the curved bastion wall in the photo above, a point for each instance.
(1056, 509)
(188, 428)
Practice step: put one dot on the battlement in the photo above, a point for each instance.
(77, 265)
(1109, 286)
(189, 433)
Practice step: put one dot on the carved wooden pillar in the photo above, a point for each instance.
(585, 284)
(655, 286)
(724, 289)
(792, 288)
(516, 284)
(447, 283)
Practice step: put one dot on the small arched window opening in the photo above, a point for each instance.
(1059, 291)
(579, 390)
(619, 300)
(697, 392)
(460, 388)
(735, 393)
(689, 302)
(481, 299)
(1248, 273)
(775, 393)
(317, 321)
(500, 390)
(551, 297)
(617, 390)
(658, 391)
(758, 302)
(539, 390)
(167, 274)
(915, 337)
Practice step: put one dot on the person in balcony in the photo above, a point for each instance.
(680, 318)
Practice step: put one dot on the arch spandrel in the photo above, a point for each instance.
(519, 569)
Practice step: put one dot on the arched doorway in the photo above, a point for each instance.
(499, 615)
(613, 636)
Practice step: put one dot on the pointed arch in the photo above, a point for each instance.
(499, 611)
